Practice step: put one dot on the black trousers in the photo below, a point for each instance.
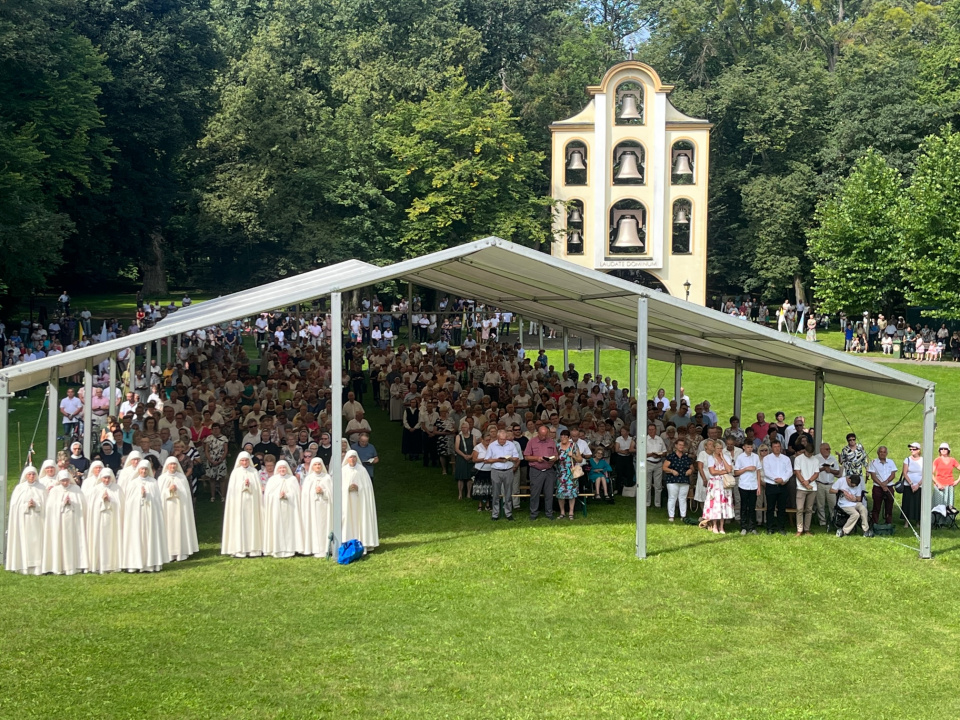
(776, 506)
(748, 509)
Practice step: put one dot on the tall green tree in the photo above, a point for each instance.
(855, 244)
(51, 139)
(461, 170)
(930, 247)
(161, 56)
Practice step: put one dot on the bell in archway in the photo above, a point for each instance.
(629, 169)
(628, 235)
(575, 161)
(628, 107)
(680, 217)
(681, 165)
(575, 242)
(575, 216)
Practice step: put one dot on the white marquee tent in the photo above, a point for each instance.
(534, 285)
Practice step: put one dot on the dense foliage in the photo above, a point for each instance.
(221, 142)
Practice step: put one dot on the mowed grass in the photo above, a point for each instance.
(459, 617)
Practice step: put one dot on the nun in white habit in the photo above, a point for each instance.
(65, 528)
(243, 514)
(359, 504)
(48, 474)
(104, 523)
(282, 524)
(316, 507)
(91, 477)
(178, 510)
(25, 525)
(129, 469)
(144, 546)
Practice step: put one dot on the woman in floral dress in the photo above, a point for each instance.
(719, 503)
(446, 428)
(567, 484)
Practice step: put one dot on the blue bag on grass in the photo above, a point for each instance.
(350, 550)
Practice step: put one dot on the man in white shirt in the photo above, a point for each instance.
(849, 492)
(883, 471)
(656, 451)
(777, 471)
(745, 469)
(356, 426)
(806, 468)
(583, 446)
(829, 472)
(351, 406)
(511, 418)
(70, 407)
(504, 458)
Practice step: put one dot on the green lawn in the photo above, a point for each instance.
(103, 306)
(459, 617)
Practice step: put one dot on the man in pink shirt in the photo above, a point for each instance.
(760, 427)
(541, 454)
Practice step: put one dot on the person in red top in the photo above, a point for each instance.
(760, 427)
(943, 478)
(541, 453)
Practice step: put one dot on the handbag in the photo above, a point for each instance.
(349, 551)
(577, 471)
(901, 484)
(729, 481)
(628, 491)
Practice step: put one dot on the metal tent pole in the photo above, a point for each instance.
(818, 388)
(541, 335)
(520, 327)
(146, 372)
(632, 370)
(336, 415)
(596, 357)
(566, 349)
(53, 412)
(4, 449)
(641, 427)
(926, 490)
(677, 377)
(88, 408)
(737, 389)
(112, 389)
(409, 314)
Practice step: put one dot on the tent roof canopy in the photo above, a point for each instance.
(539, 286)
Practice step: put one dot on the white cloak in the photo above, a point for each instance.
(25, 528)
(144, 536)
(128, 471)
(178, 516)
(90, 479)
(359, 506)
(243, 514)
(48, 481)
(282, 524)
(65, 531)
(104, 526)
(317, 513)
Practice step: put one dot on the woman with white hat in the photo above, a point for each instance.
(25, 524)
(943, 477)
(913, 474)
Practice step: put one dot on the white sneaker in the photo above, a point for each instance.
(743, 532)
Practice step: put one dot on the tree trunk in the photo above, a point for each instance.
(798, 289)
(154, 268)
